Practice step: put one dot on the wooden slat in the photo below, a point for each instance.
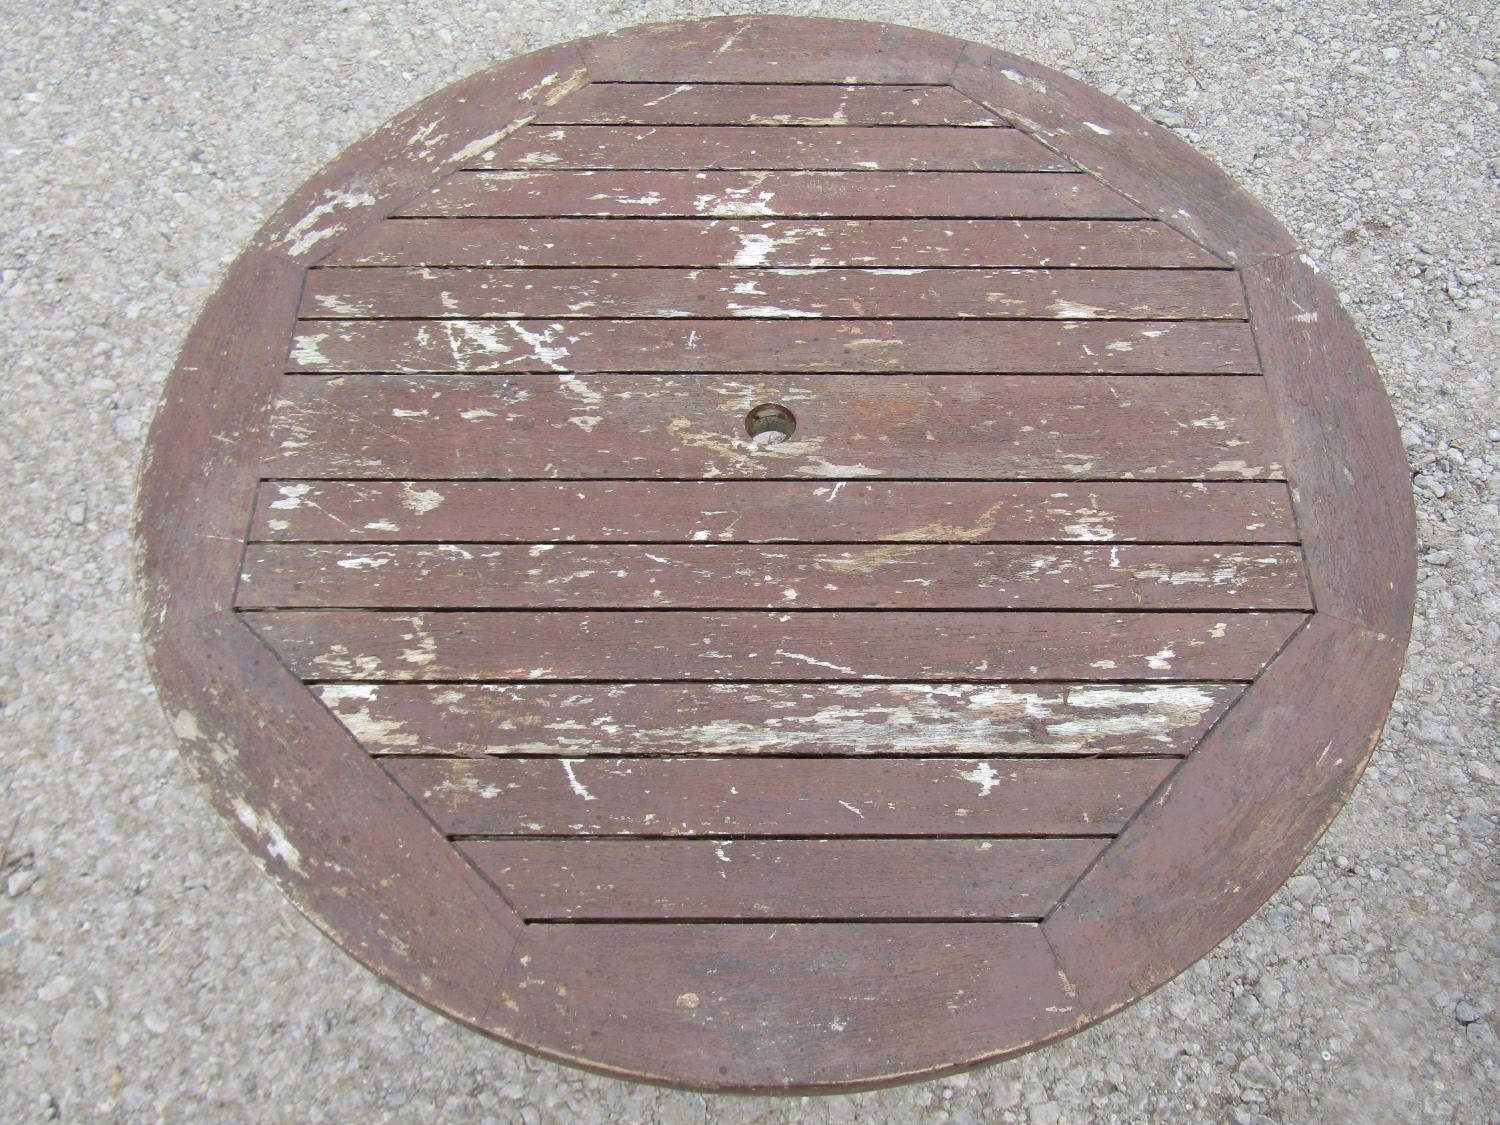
(737, 880)
(780, 797)
(760, 293)
(632, 426)
(771, 511)
(577, 720)
(735, 195)
(882, 243)
(687, 645)
(1003, 346)
(787, 1006)
(781, 49)
(751, 103)
(813, 148)
(1354, 496)
(732, 576)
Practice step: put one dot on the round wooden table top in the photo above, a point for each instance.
(776, 554)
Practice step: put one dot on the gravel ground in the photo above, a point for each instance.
(147, 971)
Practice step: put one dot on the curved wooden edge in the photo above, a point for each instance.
(1351, 487)
(1233, 821)
(1145, 162)
(410, 152)
(786, 1008)
(370, 870)
(772, 49)
(317, 814)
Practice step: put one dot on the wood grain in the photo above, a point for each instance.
(729, 576)
(849, 243)
(738, 879)
(705, 719)
(624, 645)
(1025, 721)
(768, 104)
(649, 797)
(786, 49)
(1143, 914)
(849, 426)
(669, 1001)
(372, 511)
(737, 195)
(1009, 347)
(1177, 294)
(812, 148)
(1137, 157)
(1352, 483)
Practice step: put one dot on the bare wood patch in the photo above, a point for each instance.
(705, 719)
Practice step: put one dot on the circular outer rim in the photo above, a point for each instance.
(371, 871)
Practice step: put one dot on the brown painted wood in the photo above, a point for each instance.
(814, 148)
(825, 996)
(760, 293)
(849, 426)
(786, 49)
(624, 645)
(739, 879)
(650, 797)
(892, 744)
(721, 575)
(575, 720)
(1334, 413)
(882, 243)
(454, 511)
(1320, 710)
(737, 195)
(1136, 157)
(674, 103)
(1102, 348)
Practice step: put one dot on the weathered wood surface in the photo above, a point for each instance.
(519, 293)
(733, 346)
(697, 719)
(648, 797)
(993, 427)
(827, 998)
(737, 195)
(742, 879)
(769, 104)
(728, 576)
(880, 243)
(690, 645)
(1142, 915)
(459, 511)
(1143, 160)
(813, 148)
(317, 816)
(988, 721)
(1355, 511)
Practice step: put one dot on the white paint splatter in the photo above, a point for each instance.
(573, 782)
